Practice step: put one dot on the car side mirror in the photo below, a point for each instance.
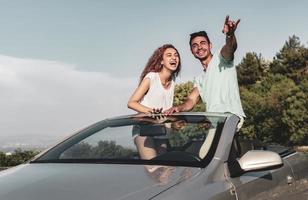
(257, 160)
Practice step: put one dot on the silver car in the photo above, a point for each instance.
(184, 156)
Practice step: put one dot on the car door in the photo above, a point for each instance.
(266, 184)
(299, 164)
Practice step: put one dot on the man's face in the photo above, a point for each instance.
(201, 48)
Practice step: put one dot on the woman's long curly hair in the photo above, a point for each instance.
(154, 62)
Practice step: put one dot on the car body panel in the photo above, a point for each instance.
(212, 178)
(262, 184)
(299, 164)
(84, 181)
(287, 182)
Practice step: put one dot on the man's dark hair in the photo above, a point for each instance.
(200, 33)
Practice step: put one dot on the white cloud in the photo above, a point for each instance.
(47, 100)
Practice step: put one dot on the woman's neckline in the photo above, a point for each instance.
(162, 85)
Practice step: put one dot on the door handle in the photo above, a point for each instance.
(290, 179)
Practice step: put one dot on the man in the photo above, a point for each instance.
(218, 85)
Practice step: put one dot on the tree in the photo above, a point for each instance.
(18, 157)
(276, 111)
(2, 159)
(295, 116)
(103, 149)
(254, 109)
(251, 69)
(291, 60)
(181, 92)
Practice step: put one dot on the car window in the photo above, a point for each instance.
(180, 139)
(107, 143)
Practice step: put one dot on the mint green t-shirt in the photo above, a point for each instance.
(218, 87)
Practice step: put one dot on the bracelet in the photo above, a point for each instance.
(229, 36)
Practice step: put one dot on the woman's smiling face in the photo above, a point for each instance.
(171, 59)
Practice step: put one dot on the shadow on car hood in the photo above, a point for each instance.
(89, 181)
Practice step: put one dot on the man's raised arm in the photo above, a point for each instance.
(229, 48)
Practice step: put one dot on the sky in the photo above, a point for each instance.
(65, 64)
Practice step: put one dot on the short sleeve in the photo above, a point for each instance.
(196, 81)
(150, 75)
(223, 63)
(199, 83)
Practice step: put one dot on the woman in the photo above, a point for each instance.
(155, 94)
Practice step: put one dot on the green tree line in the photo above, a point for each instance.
(274, 95)
(102, 150)
(17, 157)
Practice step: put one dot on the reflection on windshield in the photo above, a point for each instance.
(185, 139)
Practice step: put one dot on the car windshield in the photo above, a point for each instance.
(183, 140)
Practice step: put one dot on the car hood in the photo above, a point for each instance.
(88, 181)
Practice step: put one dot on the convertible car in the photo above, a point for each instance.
(184, 156)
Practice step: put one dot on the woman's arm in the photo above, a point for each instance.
(134, 101)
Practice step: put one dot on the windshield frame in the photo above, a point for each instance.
(57, 149)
